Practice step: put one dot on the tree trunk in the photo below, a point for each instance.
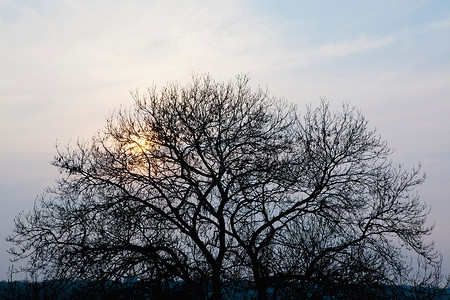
(216, 285)
(261, 288)
(260, 282)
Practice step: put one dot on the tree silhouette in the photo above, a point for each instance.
(212, 186)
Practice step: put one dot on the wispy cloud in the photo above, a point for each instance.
(359, 45)
(442, 24)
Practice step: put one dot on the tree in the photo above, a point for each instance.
(213, 185)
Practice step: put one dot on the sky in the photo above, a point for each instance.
(66, 65)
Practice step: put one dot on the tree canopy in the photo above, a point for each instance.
(221, 187)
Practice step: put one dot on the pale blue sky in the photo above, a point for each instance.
(64, 65)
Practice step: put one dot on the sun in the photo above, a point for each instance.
(138, 144)
(138, 153)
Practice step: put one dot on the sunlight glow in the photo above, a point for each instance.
(138, 144)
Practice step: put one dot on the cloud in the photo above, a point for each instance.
(442, 24)
(359, 45)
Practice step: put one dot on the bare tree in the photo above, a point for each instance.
(213, 185)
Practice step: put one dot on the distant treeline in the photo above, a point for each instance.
(133, 289)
